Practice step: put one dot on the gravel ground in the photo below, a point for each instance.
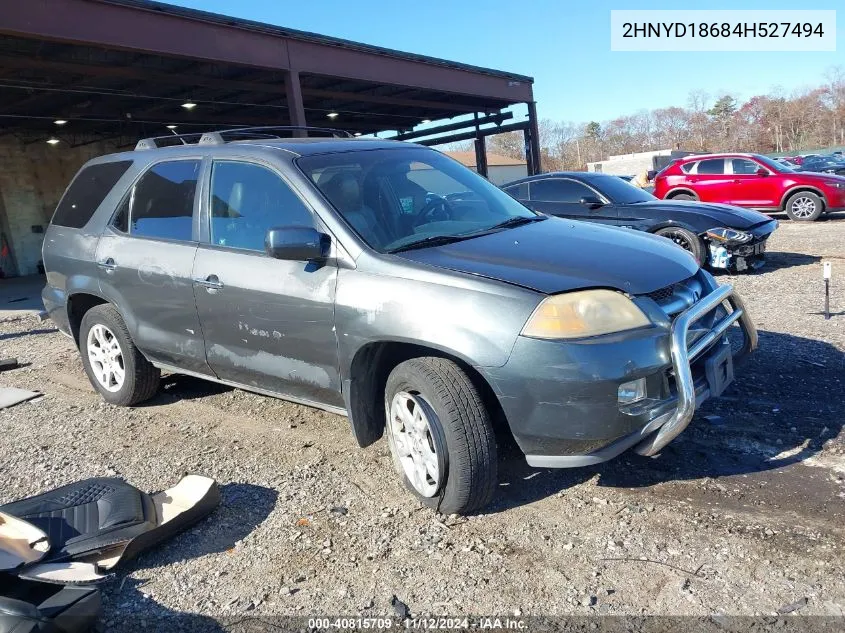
(742, 515)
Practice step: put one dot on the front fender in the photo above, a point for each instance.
(477, 322)
(673, 224)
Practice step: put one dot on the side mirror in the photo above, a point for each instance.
(297, 243)
(591, 202)
(762, 172)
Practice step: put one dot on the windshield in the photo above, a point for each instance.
(772, 164)
(393, 198)
(620, 191)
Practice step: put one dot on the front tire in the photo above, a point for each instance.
(687, 240)
(115, 367)
(440, 435)
(804, 206)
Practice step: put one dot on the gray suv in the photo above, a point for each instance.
(385, 282)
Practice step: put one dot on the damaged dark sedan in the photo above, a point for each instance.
(718, 235)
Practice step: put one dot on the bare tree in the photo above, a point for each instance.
(807, 119)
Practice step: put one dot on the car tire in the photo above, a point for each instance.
(115, 367)
(440, 435)
(804, 206)
(687, 240)
(683, 196)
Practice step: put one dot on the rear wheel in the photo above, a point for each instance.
(440, 435)
(115, 367)
(687, 240)
(804, 206)
(683, 196)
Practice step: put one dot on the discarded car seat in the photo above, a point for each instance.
(77, 533)
(27, 606)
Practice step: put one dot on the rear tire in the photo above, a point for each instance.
(683, 196)
(115, 367)
(450, 465)
(804, 206)
(687, 240)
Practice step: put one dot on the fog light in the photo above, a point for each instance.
(630, 392)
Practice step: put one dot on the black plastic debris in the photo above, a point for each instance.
(401, 609)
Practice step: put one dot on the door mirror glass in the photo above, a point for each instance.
(591, 202)
(762, 172)
(297, 243)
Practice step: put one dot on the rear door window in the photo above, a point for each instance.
(712, 166)
(161, 204)
(87, 192)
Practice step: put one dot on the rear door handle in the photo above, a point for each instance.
(212, 282)
(737, 181)
(108, 265)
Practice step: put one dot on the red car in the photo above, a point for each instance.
(752, 181)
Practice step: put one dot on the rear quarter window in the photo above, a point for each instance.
(87, 192)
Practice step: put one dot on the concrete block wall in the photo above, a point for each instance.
(33, 178)
(627, 164)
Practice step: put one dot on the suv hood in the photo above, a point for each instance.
(723, 215)
(558, 255)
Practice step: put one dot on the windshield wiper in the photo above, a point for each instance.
(431, 240)
(439, 240)
(518, 220)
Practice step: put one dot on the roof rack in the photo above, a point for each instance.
(219, 137)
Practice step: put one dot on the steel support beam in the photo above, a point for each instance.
(532, 144)
(450, 127)
(293, 94)
(362, 97)
(138, 73)
(481, 155)
(469, 136)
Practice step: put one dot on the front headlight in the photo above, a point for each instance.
(584, 313)
(729, 235)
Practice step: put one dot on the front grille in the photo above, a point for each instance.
(677, 297)
(663, 294)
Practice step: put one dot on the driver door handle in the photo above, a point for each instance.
(212, 282)
(108, 265)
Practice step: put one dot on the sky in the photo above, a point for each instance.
(563, 44)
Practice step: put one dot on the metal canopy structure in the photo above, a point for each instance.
(125, 69)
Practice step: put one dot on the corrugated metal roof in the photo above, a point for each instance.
(271, 29)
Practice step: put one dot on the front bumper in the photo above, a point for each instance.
(683, 355)
(571, 417)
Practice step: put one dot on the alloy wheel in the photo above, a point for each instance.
(106, 358)
(679, 238)
(411, 431)
(803, 207)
